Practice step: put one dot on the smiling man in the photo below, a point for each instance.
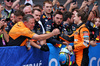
(7, 10)
(81, 39)
(57, 22)
(47, 9)
(21, 32)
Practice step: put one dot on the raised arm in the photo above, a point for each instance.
(15, 3)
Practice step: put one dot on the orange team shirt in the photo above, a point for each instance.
(19, 34)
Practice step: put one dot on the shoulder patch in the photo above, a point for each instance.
(44, 16)
(85, 33)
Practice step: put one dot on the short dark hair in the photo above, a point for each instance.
(75, 9)
(83, 15)
(67, 15)
(58, 12)
(19, 13)
(37, 10)
(27, 17)
(38, 5)
(61, 6)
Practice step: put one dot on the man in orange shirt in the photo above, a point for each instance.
(21, 32)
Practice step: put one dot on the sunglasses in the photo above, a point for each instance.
(61, 8)
(9, 0)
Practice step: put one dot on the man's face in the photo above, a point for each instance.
(47, 8)
(62, 9)
(76, 18)
(58, 19)
(1, 7)
(12, 16)
(8, 3)
(18, 18)
(30, 24)
(72, 19)
(37, 15)
(28, 11)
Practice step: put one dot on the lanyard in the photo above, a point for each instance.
(3, 40)
(8, 13)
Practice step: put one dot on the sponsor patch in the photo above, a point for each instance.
(85, 33)
(76, 33)
(44, 16)
(46, 20)
(75, 39)
(86, 42)
(48, 27)
(86, 38)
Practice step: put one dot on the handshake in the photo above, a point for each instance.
(44, 48)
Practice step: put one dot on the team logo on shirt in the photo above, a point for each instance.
(44, 16)
(85, 33)
(48, 27)
(76, 33)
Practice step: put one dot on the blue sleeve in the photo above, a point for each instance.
(53, 41)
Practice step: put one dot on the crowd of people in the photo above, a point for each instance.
(33, 25)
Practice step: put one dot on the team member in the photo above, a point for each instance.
(69, 26)
(21, 32)
(81, 40)
(56, 23)
(7, 10)
(47, 9)
(27, 10)
(17, 16)
(38, 28)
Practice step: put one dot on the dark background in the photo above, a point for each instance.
(61, 2)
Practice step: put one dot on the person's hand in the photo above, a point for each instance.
(44, 48)
(73, 5)
(93, 43)
(69, 1)
(84, 3)
(56, 31)
(69, 47)
(90, 2)
(94, 8)
(66, 43)
(57, 3)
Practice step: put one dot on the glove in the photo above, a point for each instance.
(44, 48)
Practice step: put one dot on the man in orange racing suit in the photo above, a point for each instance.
(81, 40)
